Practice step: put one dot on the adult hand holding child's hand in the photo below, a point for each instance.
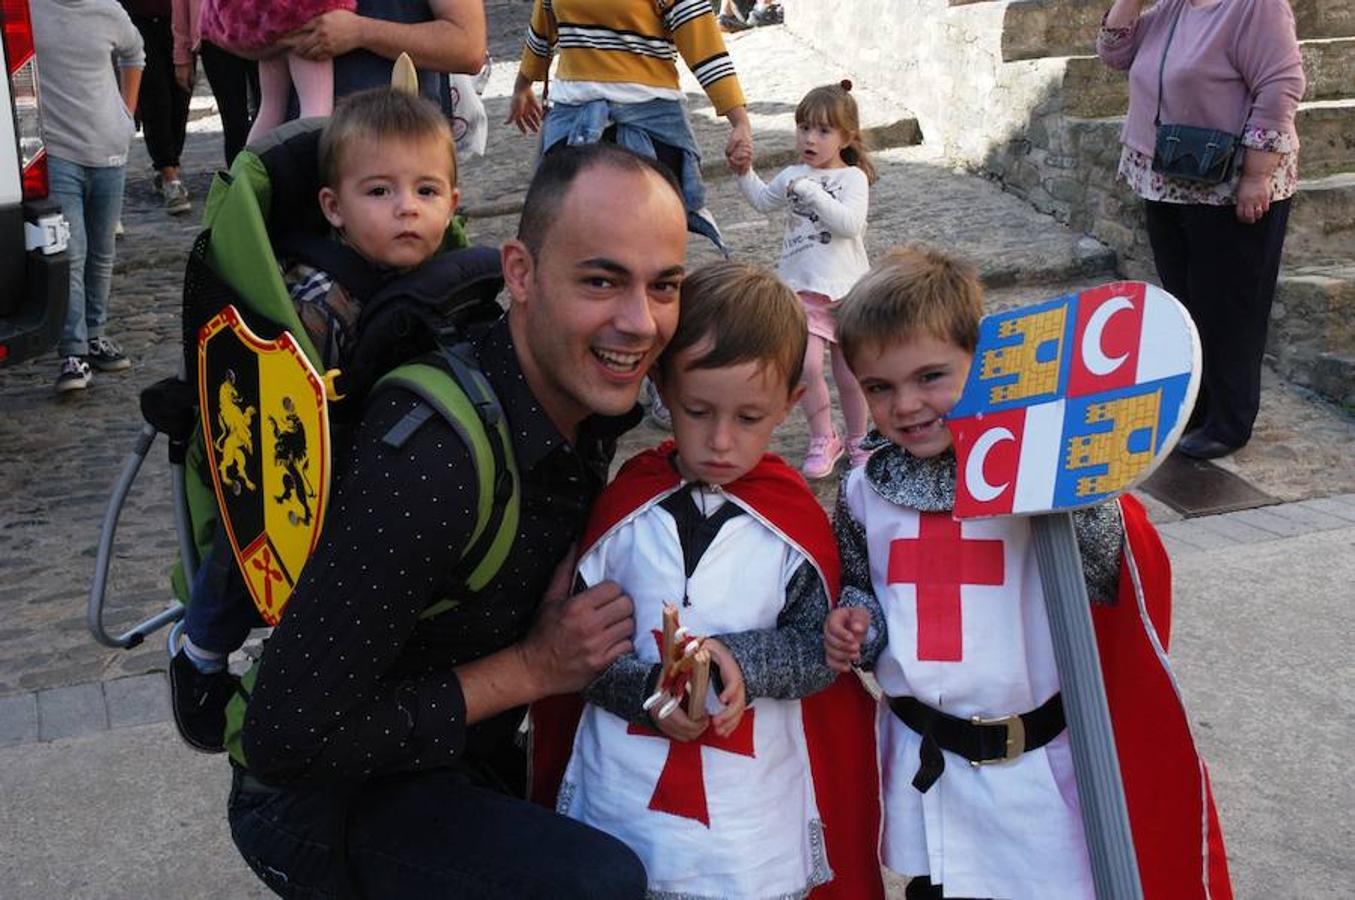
(843, 632)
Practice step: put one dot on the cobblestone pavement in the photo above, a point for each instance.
(59, 457)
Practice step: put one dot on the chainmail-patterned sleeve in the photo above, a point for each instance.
(1100, 538)
(856, 586)
(622, 687)
(787, 661)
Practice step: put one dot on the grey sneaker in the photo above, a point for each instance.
(176, 198)
(74, 376)
(107, 356)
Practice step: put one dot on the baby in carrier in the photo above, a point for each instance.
(388, 170)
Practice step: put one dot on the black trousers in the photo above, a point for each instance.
(921, 888)
(163, 105)
(235, 85)
(1224, 272)
(432, 834)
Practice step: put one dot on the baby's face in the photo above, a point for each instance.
(910, 384)
(723, 419)
(394, 199)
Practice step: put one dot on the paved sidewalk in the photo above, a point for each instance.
(102, 799)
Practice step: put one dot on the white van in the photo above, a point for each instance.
(34, 274)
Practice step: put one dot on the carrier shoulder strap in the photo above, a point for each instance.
(345, 265)
(452, 386)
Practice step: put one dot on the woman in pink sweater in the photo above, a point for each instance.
(1232, 65)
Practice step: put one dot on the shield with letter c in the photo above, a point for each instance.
(1072, 401)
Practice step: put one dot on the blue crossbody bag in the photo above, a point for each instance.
(1189, 152)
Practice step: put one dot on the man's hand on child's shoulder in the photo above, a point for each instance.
(843, 633)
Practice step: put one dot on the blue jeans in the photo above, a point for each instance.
(658, 129)
(423, 834)
(91, 198)
(220, 611)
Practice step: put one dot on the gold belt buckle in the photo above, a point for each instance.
(1016, 738)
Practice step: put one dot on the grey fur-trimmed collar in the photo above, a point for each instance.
(926, 485)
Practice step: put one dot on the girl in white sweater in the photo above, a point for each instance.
(823, 253)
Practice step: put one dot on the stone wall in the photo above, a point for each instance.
(1004, 118)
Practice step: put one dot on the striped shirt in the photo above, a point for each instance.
(631, 42)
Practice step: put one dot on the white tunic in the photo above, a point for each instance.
(764, 837)
(1011, 830)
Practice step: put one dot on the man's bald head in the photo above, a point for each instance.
(558, 171)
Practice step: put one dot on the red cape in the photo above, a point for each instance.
(839, 721)
(1171, 808)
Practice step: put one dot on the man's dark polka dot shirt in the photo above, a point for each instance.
(353, 681)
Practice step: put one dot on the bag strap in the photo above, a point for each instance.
(1162, 66)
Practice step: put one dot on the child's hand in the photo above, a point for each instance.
(843, 631)
(524, 110)
(733, 697)
(741, 159)
(678, 725)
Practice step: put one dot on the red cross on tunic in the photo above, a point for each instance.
(939, 561)
(681, 789)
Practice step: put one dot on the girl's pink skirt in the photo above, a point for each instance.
(252, 25)
(819, 312)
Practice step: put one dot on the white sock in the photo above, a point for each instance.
(205, 661)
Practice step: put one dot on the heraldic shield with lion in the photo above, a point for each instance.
(266, 428)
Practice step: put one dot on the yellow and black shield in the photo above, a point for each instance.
(266, 428)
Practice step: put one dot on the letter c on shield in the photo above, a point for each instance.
(1093, 354)
(979, 487)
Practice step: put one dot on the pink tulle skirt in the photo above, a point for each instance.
(253, 25)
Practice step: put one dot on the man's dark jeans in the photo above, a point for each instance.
(423, 834)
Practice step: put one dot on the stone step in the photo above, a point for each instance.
(1033, 29)
(1322, 221)
(1327, 135)
(916, 198)
(1330, 66)
(1092, 89)
(1312, 330)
